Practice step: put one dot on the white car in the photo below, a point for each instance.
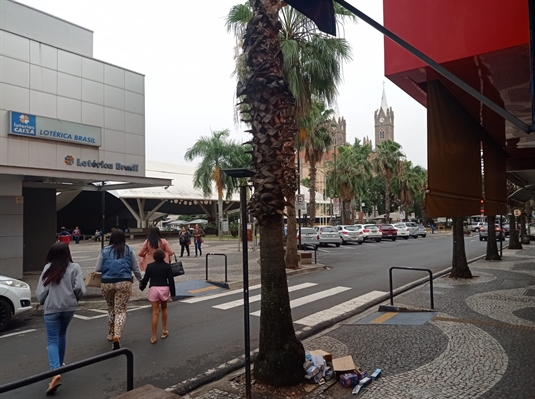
(371, 232)
(328, 235)
(15, 298)
(350, 234)
(309, 237)
(403, 230)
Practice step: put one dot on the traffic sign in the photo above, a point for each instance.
(518, 212)
(300, 203)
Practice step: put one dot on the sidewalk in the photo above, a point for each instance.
(480, 343)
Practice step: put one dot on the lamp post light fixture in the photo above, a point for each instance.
(238, 173)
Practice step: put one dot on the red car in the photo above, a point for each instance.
(388, 231)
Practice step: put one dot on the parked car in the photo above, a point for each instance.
(422, 232)
(407, 229)
(15, 298)
(370, 232)
(506, 229)
(328, 235)
(309, 236)
(475, 226)
(388, 231)
(484, 232)
(350, 234)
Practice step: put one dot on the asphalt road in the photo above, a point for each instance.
(206, 333)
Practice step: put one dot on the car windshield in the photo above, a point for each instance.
(370, 226)
(352, 228)
(308, 231)
(328, 229)
(387, 226)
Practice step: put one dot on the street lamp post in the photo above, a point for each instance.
(243, 173)
(103, 206)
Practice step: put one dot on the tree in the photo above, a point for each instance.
(386, 162)
(492, 247)
(459, 264)
(410, 184)
(268, 102)
(218, 153)
(318, 123)
(311, 63)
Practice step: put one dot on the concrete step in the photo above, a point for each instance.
(147, 392)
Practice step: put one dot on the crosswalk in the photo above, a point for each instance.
(310, 320)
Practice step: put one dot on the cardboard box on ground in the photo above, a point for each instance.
(320, 367)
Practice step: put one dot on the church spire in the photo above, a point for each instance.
(384, 104)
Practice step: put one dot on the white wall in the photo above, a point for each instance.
(42, 80)
(34, 24)
(11, 218)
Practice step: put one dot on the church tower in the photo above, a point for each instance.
(384, 122)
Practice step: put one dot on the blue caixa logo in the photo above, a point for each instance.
(23, 124)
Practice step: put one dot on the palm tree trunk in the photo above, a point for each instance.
(292, 257)
(267, 98)
(524, 238)
(459, 264)
(312, 193)
(387, 201)
(492, 247)
(346, 207)
(220, 217)
(514, 241)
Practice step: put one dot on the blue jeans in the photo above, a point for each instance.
(56, 334)
(198, 247)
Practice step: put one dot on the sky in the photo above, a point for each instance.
(187, 57)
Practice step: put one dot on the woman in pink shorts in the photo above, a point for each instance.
(161, 286)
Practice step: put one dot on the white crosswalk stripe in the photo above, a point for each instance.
(338, 310)
(256, 298)
(311, 298)
(218, 295)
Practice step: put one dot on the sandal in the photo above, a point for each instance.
(165, 334)
(54, 385)
(152, 340)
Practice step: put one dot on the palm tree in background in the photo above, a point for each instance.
(311, 64)
(410, 184)
(217, 153)
(317, 125)
(387, 162)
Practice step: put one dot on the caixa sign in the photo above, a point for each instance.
(39, 127)
(71, 161)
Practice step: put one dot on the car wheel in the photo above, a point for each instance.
(337, 245)
(424, 236)
(377, 240)
(406, 237)
(344, 242)
(360, 242)
(394, 239)
(5, 314)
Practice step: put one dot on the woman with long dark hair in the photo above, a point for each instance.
(117, 262)
(151, 244)
(60, 287)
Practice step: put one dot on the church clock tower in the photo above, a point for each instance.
(384, 122)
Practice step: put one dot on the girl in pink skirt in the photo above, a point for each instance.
(162, 285)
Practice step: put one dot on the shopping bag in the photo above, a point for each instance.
(93, 279)
(177, 268)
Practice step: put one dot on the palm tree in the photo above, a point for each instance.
(311, 63)
(267, 103)
(386, 162)
(410, 184)
(218, 153)
(348, 178)
(317, 123)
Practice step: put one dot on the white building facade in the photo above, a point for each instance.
(67, 121)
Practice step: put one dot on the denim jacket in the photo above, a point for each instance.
(115, 269)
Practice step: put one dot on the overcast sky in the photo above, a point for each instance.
(186, 55)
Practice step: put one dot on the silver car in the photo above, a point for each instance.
(309, 236)
(328, 235)
(370, 232)
(405, 230)
(350, 234)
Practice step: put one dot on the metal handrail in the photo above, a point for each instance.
(77, 365)
(411, 268)
(226, 263)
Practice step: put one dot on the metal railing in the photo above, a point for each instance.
(411, 268)
(226, 263)
(77, 365)
(307, 247)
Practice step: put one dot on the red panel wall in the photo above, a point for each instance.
(448, 30)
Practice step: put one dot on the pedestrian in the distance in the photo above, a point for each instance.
(162, 285)
(198, 234)
(60, 287)
(117, 262)
(185, 240)
(76, 233)
(151, 244)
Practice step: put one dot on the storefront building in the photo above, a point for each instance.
(68, 122)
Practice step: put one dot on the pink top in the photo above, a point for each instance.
(146, 253)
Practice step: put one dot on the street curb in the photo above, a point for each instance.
(191, 384)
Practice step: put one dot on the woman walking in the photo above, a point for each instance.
(198, 233)
(185, 240)
(117, 262)
(60, 287)
(151, 244)
(162, 284)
